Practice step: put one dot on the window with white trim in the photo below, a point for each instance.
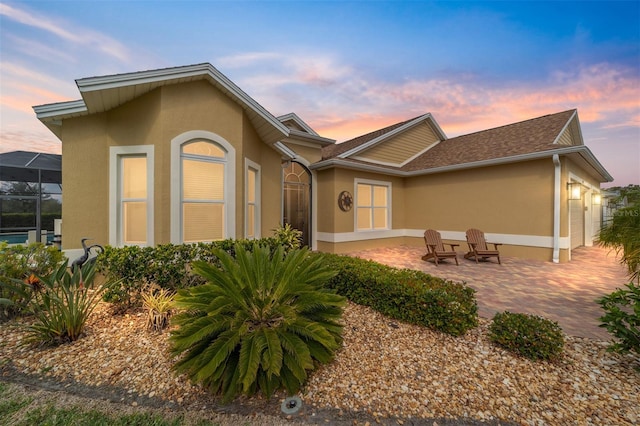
(203, 197)
(203, 188)
(373, 205)
(131, 196)
(252, 198)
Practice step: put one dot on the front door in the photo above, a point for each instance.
(297, 199)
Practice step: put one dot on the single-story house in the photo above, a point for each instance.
(184, 155)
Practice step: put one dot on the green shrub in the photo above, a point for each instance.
(288, 237)
(404, 294)
(531, 336)
(622, 318)
(63, 305)
(259, 324)
(165, 265)
(19, 267)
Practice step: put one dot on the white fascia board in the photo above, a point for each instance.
(285, 150)
(513, 159)
(418, 154)
(299, 121)
(593, 161)
(247, 100)
(437, 128)
(381, 138)
(338, 162)
(398, 165)
(564, 128)
(59, 109)
(92, 84)
(317, 140)
(579, 149)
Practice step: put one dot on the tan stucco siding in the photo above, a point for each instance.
(85, 173)
(310, 154)
(155, 119)
(508, 199)
(186, 107)
(200, 106)
(269, 161)
(332, 182)
(327, 196)
(402, 147)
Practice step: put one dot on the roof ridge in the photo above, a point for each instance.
(386, 129)
(513, 124)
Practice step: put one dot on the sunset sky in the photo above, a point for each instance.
(346, 68)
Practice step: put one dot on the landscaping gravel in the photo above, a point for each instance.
(387, 372)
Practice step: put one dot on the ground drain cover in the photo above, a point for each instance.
(291, 405)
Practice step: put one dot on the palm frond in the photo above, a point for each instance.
(259, 323)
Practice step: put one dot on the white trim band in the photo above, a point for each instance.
(508, 239)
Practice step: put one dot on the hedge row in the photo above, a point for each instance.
(165, 265)
(402, 294)
(406, 295)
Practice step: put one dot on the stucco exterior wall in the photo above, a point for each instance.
(85, 171)
(514, 199)
(155, 119)
(508, 199)
(310, 154)
(333, 181)
(271, 181)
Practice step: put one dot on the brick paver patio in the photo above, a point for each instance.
(563, 292)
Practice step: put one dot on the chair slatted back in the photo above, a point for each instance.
(433, 238)
(476, 237)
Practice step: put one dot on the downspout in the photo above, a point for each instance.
(556, 209)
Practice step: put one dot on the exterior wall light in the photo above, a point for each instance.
(596, 199)
(575, 191)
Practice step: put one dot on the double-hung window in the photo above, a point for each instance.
(131, 193)
(373, 205)
(252, 198)
(202, 188)
(203, 197)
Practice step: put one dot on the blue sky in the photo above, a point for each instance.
(346, 68)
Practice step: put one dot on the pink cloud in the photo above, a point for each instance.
(601, 93)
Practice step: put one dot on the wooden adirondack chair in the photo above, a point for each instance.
(436, 249)
(478, 246)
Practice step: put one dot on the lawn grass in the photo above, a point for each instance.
(18, 410)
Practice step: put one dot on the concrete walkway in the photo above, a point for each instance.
(563, 292)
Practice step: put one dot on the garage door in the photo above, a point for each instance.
(576, 213)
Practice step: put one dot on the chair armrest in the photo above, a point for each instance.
(495, 245)
(453, 246)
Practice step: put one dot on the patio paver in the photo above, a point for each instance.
(564, 292)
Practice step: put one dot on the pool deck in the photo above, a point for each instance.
(563, 292)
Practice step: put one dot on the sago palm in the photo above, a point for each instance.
(261, 322)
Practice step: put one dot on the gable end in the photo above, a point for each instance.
(402, 148)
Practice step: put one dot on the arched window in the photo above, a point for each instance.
(202, 196)
(297, 199)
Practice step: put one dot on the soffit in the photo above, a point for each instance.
(101, 94)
